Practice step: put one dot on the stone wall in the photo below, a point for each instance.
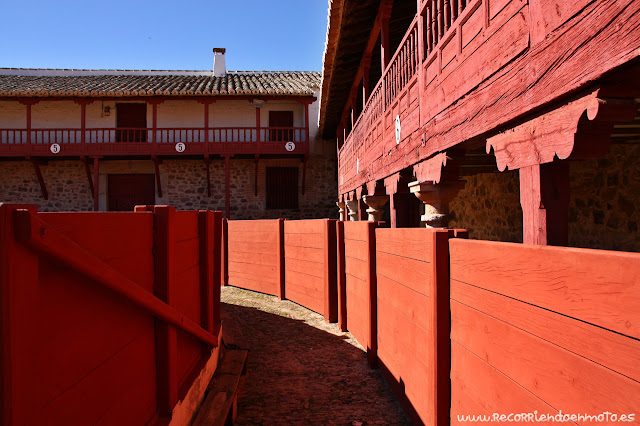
(183, 185)
(66, 182)
(604, 206)
(489, 207)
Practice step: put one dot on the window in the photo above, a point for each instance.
(282, 187)
(280, 123)
(131, 122)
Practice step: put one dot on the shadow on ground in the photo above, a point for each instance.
(302, 370)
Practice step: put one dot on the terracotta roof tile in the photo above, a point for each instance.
(33, 82)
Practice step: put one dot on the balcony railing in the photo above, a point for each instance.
(160, 140)
(404, 64)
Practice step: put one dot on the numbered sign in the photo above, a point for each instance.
(55, 148)
(180, 147)
(290, 146)
(398, 128)
(357, 165)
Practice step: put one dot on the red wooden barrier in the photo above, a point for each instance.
(360, 284)
(543, 328)
(310, 265)
(79, 340)
(412, 274)
(255, 257)
(342, 278)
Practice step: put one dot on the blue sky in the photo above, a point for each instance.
(160, 34)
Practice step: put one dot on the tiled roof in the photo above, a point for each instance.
(117, 83)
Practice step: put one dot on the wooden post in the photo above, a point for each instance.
(281, 267)
(29, 124)
(442, 327)
(258, 128)
(385, 47)
(224, 253)
(330, 275)
(218, 234)
(306, 121)
(207, 240)
(96, 184)
(21, 351)
(227, 184)
(342, 278)
(544, 197)
(372, 350)
(166, 336)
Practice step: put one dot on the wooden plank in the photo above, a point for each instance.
(561, 378)
(222, 390)
(307, 267)
(407, 242)
(588, 341)
(410, 273)
(488, 388)
(330, 274)
(564, 280)
(315, 240)
(341, 277)
(309, 254)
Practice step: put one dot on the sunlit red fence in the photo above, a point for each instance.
(106, 317)
(310, 265)
(462, 327)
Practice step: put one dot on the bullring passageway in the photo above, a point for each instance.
(302, 370)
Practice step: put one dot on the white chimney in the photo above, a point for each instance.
(219, 67)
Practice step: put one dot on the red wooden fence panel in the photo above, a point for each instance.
(255, 258)
(79, 341)
(543, 328)
(360, 284)
(412, 277)
(310, 265)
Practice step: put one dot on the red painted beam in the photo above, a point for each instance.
(156, 165)
(43, 186)
(87, 170)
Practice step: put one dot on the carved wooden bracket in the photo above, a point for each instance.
(391, 183)
(433, 169)
(579, 129)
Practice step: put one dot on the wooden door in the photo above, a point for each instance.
(127, 191)
(281, 123)
(131, 121)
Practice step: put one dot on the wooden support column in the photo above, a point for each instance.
(385, 46)
(83, 102)
(306, 125)
(258, 128)
(227, 185)
(544, 197)
(164, 289)
(154, 121)
(87, 169)
(156, 166)
(96, 184)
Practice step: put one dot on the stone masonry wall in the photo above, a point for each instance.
(489, 207)
(183, 185)
(604, 206)
(66, 182)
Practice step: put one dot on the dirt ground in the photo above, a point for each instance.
(302, 370)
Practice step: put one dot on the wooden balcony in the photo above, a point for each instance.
(467, 69)
(159, 141)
